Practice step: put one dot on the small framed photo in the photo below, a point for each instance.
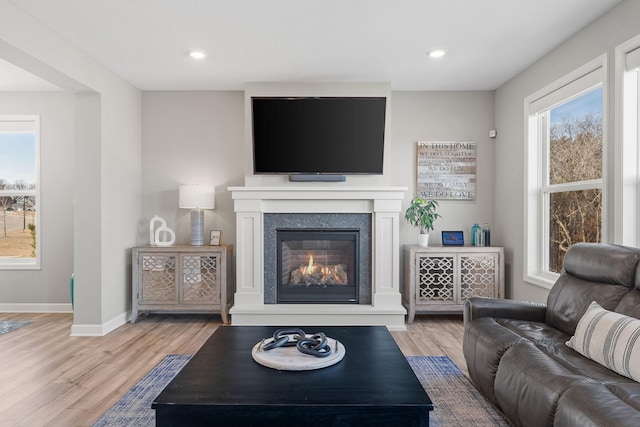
(452, 238)
(215, 238)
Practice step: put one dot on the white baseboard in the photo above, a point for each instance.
(36, 308)
(99, 330)
(76, 329)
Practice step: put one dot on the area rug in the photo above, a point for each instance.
(134, 408)
(456, 401)
(11, 325)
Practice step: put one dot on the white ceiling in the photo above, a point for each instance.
(147, 41)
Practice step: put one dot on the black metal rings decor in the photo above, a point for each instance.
(284, 338)
(314, 345)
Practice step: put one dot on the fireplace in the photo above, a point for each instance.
(334, 240)
(262, 211)
(317, 266)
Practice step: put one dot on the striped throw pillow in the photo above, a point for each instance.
(609, 338)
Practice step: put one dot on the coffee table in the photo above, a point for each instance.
(222, 385)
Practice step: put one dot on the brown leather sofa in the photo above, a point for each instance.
(517, 356)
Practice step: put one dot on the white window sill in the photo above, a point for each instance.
(543, 280)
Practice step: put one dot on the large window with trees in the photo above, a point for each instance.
(565, 171)
(573, 191)
(19, 195)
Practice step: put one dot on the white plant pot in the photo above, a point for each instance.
(423, 240)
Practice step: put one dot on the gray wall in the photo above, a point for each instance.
(599, 38)
(443, 116)
(190, 138)
(107, 166)
(46, 288)
(198, 137)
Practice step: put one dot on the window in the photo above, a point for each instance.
(19, 192)
(627, 162)
(564, 171)
(572, 194)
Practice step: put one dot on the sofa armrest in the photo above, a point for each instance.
(511, 309)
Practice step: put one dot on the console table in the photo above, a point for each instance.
(439, 278)
(181, 278)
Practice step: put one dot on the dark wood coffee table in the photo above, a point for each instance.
(222, 385)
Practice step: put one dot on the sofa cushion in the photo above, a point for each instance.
(630, 304)
(485, 341)
(602, 262)
(580, 365)
(592, 272)
(529, 384)
(629, 392)
(570, 297)
(611, 339)
(594, 405)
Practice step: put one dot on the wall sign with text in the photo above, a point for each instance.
(446, 170)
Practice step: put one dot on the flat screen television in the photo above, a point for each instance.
(318, 135)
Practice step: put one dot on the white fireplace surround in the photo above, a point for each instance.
(383, 203)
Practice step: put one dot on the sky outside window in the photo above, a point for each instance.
(590, 102)
(17, 157)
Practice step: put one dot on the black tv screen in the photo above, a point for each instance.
(318, 135)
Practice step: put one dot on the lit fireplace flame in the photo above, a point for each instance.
(308, 269)
(319, 274)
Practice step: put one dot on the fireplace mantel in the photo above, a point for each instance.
(383, 203)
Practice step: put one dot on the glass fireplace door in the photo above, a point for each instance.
(317, 266)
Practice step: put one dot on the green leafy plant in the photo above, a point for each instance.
(422, 213)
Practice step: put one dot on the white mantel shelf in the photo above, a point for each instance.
(383, 203)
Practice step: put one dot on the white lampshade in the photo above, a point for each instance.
(197, 197)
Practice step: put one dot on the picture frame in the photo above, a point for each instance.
(452, 238)
(446, 170)
(215, 237)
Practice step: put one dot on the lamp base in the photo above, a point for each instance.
(197, 227)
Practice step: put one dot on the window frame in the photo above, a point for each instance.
(627, 136)
(537, 188)
(30, 124)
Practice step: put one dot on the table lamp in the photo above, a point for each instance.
(197, 198)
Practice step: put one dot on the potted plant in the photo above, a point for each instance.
(421, 213)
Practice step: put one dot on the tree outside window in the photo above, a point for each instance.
(573, 192)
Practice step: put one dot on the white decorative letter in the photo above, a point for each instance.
(155, 234)
(152, 228)
(165, 230)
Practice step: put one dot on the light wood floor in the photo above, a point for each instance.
(49, 378)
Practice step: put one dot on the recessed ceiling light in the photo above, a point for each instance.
(196, 54)
(436, 53)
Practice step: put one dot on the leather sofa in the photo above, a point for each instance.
(516, 351)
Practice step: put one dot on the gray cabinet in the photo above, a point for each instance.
(181, 278)
(438, 279)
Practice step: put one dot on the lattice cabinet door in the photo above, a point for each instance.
(479, 275)
(201, 279)
(158, 279)
(435, 279)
